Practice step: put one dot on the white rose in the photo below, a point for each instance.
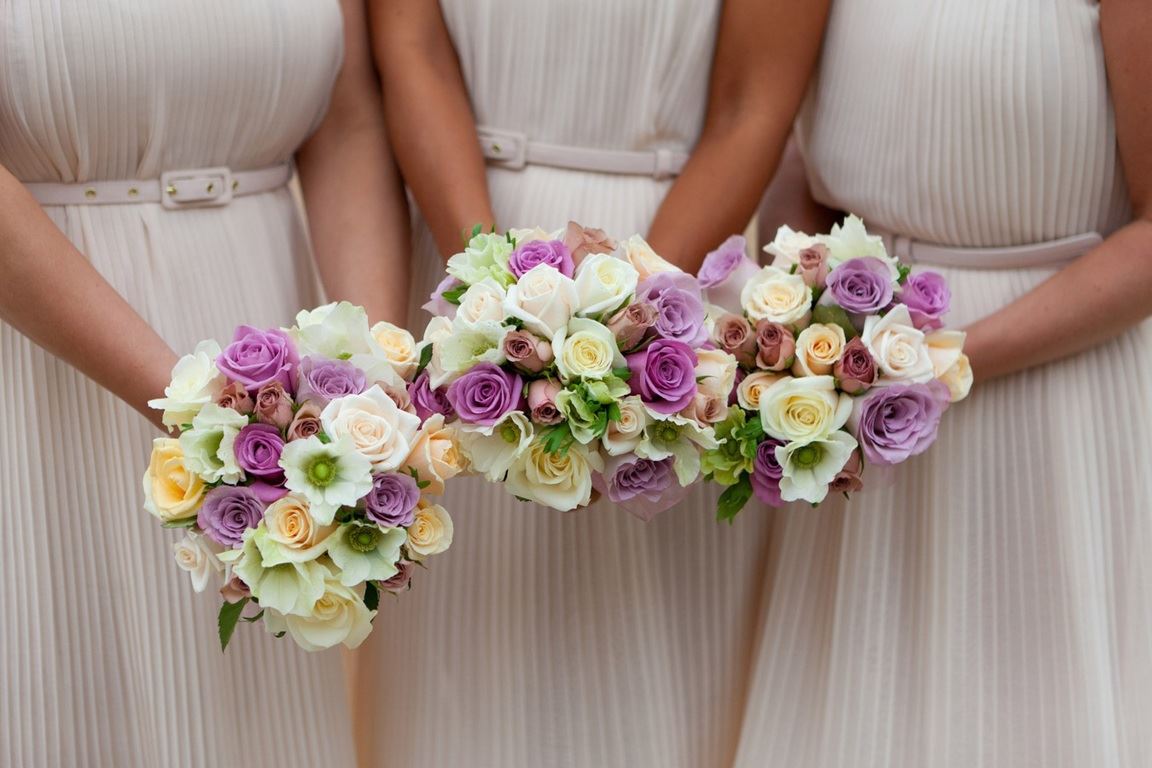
(209, 447)
(604, 283)
(522, 236)
(715, 373)
(398, 347)
(482, 302)
(196, 382)
(562, 482)
(437, 330)
(777, 296)
(338, 617)
(467, 347)
(852, 241)
(196, 555)
(897, 346)
(333, 330)
(376, 426)
(818, 347)
(958, 378)
(430, 532)
(645, 260)
(787, 246)
(805, 409)
(544, 299)
(486, 255)
(944, 349)
(753, 387)
(586, 349)
(492, 449)
(624, 434)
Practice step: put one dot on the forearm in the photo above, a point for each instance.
(1096, 298)
(54, 296)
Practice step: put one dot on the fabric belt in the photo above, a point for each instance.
(513, 150)
(195, 188)
(1049, 254)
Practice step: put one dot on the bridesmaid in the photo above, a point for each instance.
(106, 655)
(993, 607)
(588, 638)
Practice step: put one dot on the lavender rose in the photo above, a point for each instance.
(629, 477)
(427, 400)
(898, 421)
(861, 286)
(273, 405)
(766, 473)
(485, 394)
(236, 397)
(401, 579)
(775, 345)
(928, 299)
(227, 512)
(256, 357)
(664, 375)
(724, 273)
(535, 252)
(855, 371)
(813, 265)
(322, 380)
(734, 335)
(258, 448)
(633, 324)
(392, 501)
(437, 305)
(542, 402)
(527, 352)
(679, 307)
(849, 480)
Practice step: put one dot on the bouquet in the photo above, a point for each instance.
(302, 475)
(842, 364)
(571, 363)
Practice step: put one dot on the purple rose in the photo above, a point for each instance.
(400, 580)
(928, 299)
(437, 304)
(266, 492)
(664, 375)
(679, 307)
(724, 273)
(322, 380)
(485, 394)
(629, 477)
(766, 473)
(256, 357)
(536, 252)
(426, 400)
(861, 286)
(392, 501)
(855, 371)
(227, 512)
(258, 448)
(898, 421)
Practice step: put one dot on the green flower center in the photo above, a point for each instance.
(321, 471)
(510, 433)
(667, 433)
(364, 538)
(808, 457)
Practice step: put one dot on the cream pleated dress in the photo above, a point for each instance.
(588, 638)
(993, 607)
(107, 657)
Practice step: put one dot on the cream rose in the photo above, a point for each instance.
(480, 303)
(290, 533)
(898, 348)
(430, 532)
(753, 387)
(624, 434)
(586, 349)
(398, 347)
(196, 382)
(645, 260)
(805, 409)
(543, 299)
(604, 283)
(171, 490)
(435, 454)
(778, 297)
(522, 236)
(818, 347)
(715, 373)
(958, 378)
(562, 482)
(376, 426)
(196, 555)
(338, 617)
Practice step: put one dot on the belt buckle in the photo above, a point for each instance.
(196, 188)
(506, 148)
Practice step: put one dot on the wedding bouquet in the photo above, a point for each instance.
(302, 473)
(842, 364)
(571, 363)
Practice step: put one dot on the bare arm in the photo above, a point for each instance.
(357, 211)
(789, 201)
(55, 297)
(758, 81)
(1108, 290)
(429, 118)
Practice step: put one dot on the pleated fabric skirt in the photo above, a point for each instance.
(107, 656)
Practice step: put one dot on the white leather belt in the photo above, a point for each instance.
(1050, 254)
(509, 149)
(196, 188)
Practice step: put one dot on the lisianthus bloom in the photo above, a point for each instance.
(365, 552)
(485, 255)
(329, 476)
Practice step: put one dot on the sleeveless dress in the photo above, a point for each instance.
(587, 638)
(107, 656)
(992, 607)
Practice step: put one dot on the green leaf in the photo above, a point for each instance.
(515, 322)
(425, 358)
(476, 229)
(453, 295)
(323, 438)
(832, 315)
(345, 356)
(557, 439)
(624, 373)
(614, 412)
(733, 499)
(371, 595)
(191, 521)
(226, 621)
(278, 635)
(254, 619)
(903, 271)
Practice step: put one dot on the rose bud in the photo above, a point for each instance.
(848, 480)
(855, 371)
(527, 352)
(273, 406)
(813, 266)
(776, 346)
(235, 590)
(305, 423)
(542, 401)
(583, 241)
(734, 335)
(236, 397)
(631, 325)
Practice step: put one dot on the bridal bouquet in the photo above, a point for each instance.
(571, 363)
(842, 364)
(302, 475)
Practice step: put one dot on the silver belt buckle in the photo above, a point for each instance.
(196, 188)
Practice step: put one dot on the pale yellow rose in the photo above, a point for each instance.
(586, 349)
(944, 348)
(171, 491)
(430, 532)
(292, 533)
(399, 348)
(645, 260)
(777, 296)
(753, 387)
(560, 481)
(958, 378)
(338, 617)
(436, 454)
(804, 409)
(818, 347)
(715, 373)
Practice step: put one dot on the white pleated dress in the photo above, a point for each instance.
(107, 657)
(550, 639)
(993, 607)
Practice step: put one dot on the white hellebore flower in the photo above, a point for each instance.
(209, 447)
(196, 382)
(543, 299)
(803, 409)
(777, 296)
(467, 347)
(486, 255)
(852, 241)
(334, 331)
(586, 349)
(365, 552)
(329, 476)
(810, 467)
(679, 437)
(492, 449)
(562, 482)
(604, 283)
(338, 617)
(288, 588)
(897, 346)
(197, 555)
(375, 426)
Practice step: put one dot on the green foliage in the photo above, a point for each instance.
(557, 439)
(226, 621)
(425, 358)
(454, 294)
(186, 523)
(826, 314)
(733, 499)
(371, 595)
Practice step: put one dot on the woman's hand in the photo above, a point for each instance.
(1108, 290)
